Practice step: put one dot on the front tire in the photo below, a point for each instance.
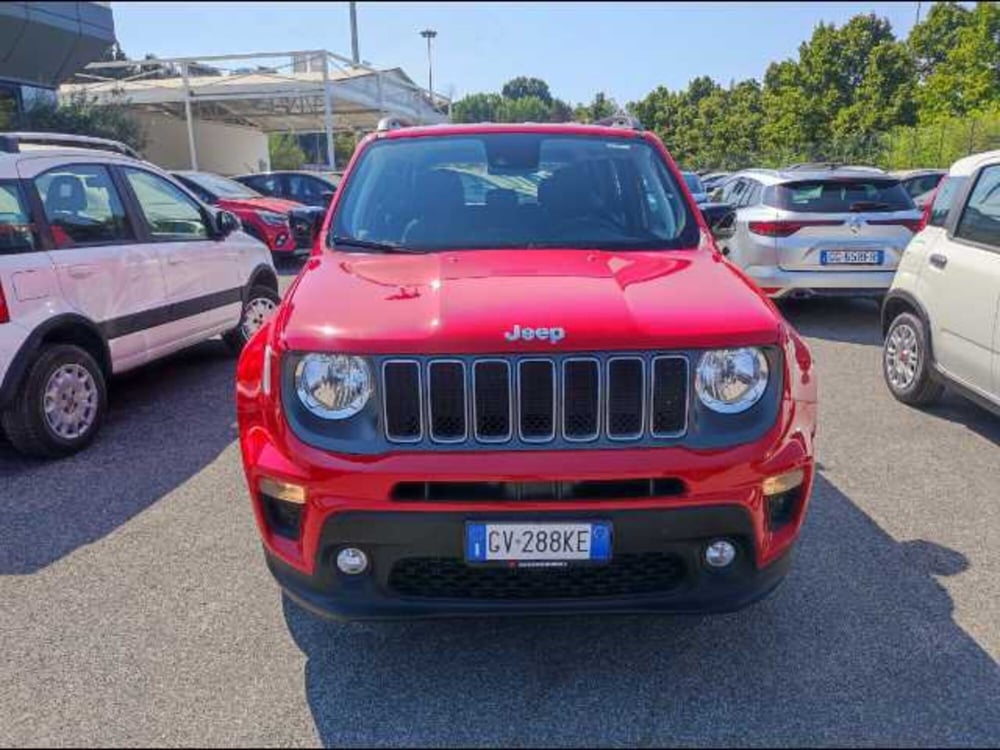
(906, 362)
(60, 406)
(258, 308)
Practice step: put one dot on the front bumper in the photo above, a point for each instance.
(778, 282)
(278, 239)
(417, 567)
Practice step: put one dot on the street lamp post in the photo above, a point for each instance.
(429, 34)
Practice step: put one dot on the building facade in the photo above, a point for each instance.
(43, 44)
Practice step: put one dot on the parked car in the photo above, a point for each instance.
(941, 318)
(308, 188)
(557, 398)
(263, 217)
(920, 184)
(694, 184)
(812, 230)
(106, 264)
(712, 180)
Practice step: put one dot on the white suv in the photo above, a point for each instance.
(106, 263)
(941, 318)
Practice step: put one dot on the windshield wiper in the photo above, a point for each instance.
(869, 206)
(382, 247)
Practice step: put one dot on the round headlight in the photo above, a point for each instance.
(731, 380)
(333, 386)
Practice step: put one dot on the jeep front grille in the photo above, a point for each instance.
(534, 400)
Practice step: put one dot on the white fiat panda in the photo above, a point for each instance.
(941, 317)
(106, 263)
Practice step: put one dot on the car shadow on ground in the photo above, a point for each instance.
(165, 423)
(861, 635)
(858, 321)
(853, 321)
(958, 409)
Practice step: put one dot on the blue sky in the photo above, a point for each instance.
(624, 49)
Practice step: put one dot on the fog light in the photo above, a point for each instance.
(352, 561)
(720, 553)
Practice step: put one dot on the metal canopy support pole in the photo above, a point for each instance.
(381, 100)
(331, 157)
(187, 116)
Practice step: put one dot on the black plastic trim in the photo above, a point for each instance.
(22, 360)
(364, 434)
(157, 316)
(391, 536)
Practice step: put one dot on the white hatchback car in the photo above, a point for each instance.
(106, 263)
(941, 317)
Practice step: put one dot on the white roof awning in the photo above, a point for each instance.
(273, 98)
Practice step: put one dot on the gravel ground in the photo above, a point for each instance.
(137, 608)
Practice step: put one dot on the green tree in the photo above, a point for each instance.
(523, 87)
(344, 144)
(967, 79)
(560, 111)
(600, 106)
(285, 151)
(522, 100)
(83, 115)
(523, 109)
(932, 39)
(477, 108)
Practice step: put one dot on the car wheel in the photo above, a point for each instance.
(906, 362)
(257, 310)
(60, 405)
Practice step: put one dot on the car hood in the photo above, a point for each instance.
(465, 302)
(278, 205)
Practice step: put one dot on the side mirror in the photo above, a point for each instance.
(306, 223)
(715, 195)
(226, 223)
(327, 196)
(721, 219)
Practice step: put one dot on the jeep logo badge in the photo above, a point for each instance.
(552, 335)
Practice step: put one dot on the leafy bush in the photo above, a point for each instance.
(80, 115)
(285, 151)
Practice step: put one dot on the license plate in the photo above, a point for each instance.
(850, 258)
(538, 542)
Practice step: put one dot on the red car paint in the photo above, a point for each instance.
(457, 303)
(278, 239)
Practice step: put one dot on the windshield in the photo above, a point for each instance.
(221, 187)
(840, 196)
(509, 190)
(693, 182)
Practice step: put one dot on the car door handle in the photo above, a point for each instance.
(81, 272)
(938, 261)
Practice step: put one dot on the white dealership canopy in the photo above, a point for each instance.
(311, 91)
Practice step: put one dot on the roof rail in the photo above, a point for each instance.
(620, 120)
(812, 166)
(831, 166)
(10, 142)
(391, 123)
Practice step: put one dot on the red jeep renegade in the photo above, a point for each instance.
(517, 376)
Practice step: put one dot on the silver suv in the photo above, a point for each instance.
(817, 229)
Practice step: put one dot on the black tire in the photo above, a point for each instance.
(237, 338)
(919, 387)
(25, 422)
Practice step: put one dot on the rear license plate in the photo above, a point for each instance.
(850, 258)
(538, 542)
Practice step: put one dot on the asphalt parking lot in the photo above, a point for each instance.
(136, 607)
